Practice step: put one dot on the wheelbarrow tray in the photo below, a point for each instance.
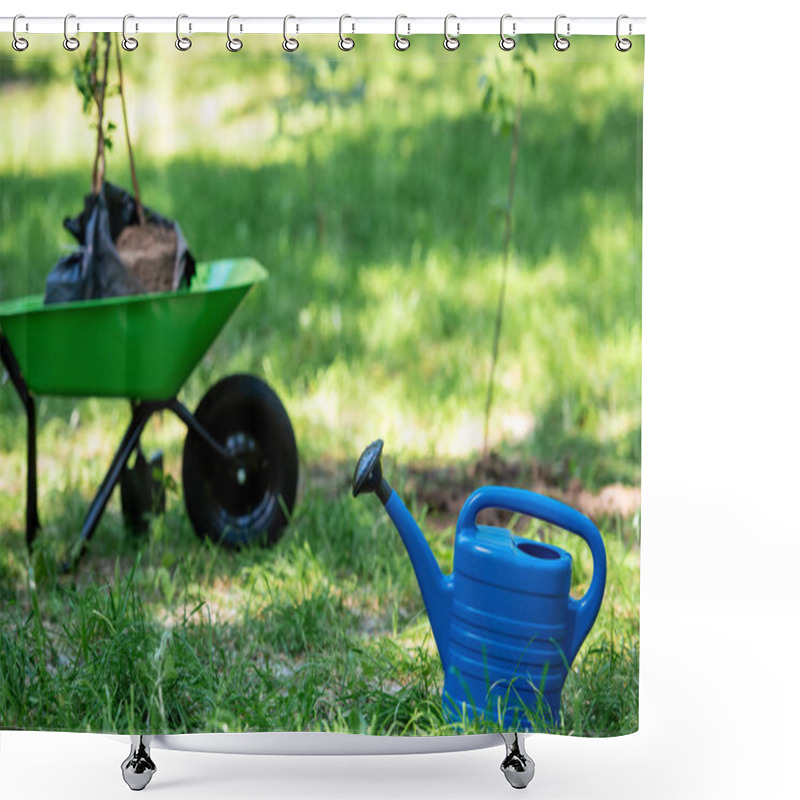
(141, 346)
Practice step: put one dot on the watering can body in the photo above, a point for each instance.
(505, 624)
(515, 629)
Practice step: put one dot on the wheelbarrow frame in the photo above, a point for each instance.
(141, 411)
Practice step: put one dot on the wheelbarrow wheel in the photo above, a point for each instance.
(248, 497)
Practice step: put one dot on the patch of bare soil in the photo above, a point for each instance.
(442, 489)
(149, 252)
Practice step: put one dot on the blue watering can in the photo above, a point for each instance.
(504, 622)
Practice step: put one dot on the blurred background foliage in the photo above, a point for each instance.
(371, 185)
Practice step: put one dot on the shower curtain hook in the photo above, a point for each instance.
(183, 43)
(71, 43)
(289, 44)
(623, 45)
(128, 42)
(450, 42)
(18, 43)
(234, 45)
(506, 42)
(561, 44)
(345, 42)
(400, 42)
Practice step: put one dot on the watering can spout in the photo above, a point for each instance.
(368, 476)
(435, 587)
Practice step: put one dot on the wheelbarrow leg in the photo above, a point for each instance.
(32, 524)
(141, 413)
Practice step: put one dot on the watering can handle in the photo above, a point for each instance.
(583, 611)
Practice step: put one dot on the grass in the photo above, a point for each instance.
(369, 185)
(326, 631)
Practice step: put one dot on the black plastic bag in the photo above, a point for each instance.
(95, 269)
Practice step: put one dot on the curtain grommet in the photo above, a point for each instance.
(506, 42)
(71, 43)
(234, 45)
(450, 43)
(129, 43)
(346, 44)
(183, 43)
(560, 43)
(19, 43)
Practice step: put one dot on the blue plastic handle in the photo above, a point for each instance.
(556, 513)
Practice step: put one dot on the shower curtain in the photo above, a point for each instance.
(437, 249)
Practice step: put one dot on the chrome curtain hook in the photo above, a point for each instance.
(506, 42)
(345, 42)
(234, 45)
(128, 42)
(400, 42)
(289, 44)
(623, 45)
(18, 43)
(560, 43)
(183, 43)
(71, 43)
(450, 42)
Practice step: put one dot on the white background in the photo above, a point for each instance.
(720, 603)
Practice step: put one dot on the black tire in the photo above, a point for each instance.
(225, 502)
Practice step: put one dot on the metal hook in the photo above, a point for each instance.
(400, 42)
(345, 42)
(560, 43)
(289, 44)
(183, 43)
(506, 42)
(128, 42)
(18, 43)
(623, 45)
(234, 45)
(71, 43)
(450, 42)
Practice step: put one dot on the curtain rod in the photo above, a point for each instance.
(406, 26)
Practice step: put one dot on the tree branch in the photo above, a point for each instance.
(98, 174)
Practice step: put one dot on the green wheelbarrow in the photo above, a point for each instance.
(239, 457)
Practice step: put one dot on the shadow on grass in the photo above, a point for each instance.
(321, 226)
(362, 203)
(324, 631)
(107, 662)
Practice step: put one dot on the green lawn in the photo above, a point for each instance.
(371, 186)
